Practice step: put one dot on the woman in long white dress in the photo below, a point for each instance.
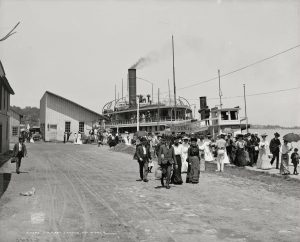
(185, 147)
(263, 161)
(207, 153)
(226, 158)
(75, 138)
(79, 141)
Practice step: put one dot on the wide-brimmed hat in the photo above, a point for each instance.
(239, 135)
(277, 134)
(264, 135)
(185, 138)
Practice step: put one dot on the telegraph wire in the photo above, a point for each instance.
(241, 68)
(251, 95)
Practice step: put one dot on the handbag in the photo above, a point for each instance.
(14, 159)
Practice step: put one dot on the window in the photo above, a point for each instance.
(15, 131)
(7, 101)
(233, 115)
(4, 106)
(224, 115)
(81, 126)
(53, 126)
(67, 127)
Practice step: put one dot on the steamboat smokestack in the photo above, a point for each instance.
(203, 103)
(132, 87)
(203, 107)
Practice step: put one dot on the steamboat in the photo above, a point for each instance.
(142, 113)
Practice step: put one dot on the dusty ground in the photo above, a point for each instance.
(86, 193)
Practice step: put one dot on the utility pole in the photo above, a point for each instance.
(174, 76)
(138, 114)
(220, 92)
(158, 114)
(152, 93)
(245, 108)
(220, 95)
(169, 92)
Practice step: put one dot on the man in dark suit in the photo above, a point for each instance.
(19, 151)
(166, 160)
(274, 148)
(143, 156)
(257, 141)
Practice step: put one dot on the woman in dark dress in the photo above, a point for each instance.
(193, 172)
(240, 159)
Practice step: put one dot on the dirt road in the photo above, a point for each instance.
(86, 193)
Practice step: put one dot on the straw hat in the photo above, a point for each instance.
(264, 135)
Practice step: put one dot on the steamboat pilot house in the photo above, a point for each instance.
(151, 116)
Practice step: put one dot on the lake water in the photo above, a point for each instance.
(282, 132)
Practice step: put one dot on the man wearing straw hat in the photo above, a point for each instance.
(19, 152)
(166, 160)
(143, 157)
(221, 146)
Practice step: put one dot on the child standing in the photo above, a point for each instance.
(295, 160)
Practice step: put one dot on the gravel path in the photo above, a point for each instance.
(86, 193)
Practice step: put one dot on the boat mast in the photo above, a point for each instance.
(115, 93)
(174, 77)
(138, 113)
(246, 117)
(169, 92)
(158, 111)
(122, 89)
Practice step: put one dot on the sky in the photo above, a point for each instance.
(81, 49)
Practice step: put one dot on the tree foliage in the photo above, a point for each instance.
(31, 115)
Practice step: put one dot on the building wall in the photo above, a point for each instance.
(43, 115)
(56, 111)
(4, 119)
(14, 122)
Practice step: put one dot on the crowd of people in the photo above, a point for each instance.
(177, 154)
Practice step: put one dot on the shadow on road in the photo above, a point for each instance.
(4, 182)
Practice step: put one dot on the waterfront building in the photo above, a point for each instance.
(5, 92)
(59, 115)
(15, 119)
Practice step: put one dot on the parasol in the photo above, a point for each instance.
(291, 137)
